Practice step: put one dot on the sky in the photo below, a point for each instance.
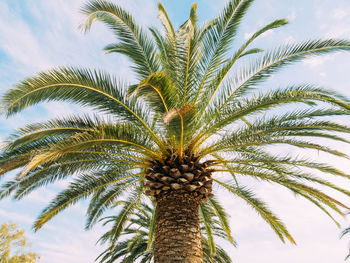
(37, 35)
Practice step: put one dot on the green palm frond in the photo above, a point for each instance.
(345, 232)
(261, 208)
(223, 217)
(133, 42)
(218, 38)
(126, 211)
(158, 91)
(274, 60)
(207, 220)
(292, 184)
(81, 188)
(85, 87)
(106, 198)
(188, 56)
(213, 86)
(121, 136)
(163, 17)
(255, 104)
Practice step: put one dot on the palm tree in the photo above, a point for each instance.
(138, 236)
(194, 117)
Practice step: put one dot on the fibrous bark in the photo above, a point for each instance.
(178, 237)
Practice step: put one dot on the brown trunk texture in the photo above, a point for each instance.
(178, 236)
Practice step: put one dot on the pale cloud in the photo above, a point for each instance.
(289, 40)
(323, 74)
(17, 217)
(59, 109)
(41, 196)
(13, 38)
(338, 31)
(62, 184)
(318, 13)
(291, 17)
(339, 13)
(70, 250)
(248, 35)
(317, 61)
(266, 34)
(55, 42)
(215, 6)
(77, 247)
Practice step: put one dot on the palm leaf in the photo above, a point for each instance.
(134, 43)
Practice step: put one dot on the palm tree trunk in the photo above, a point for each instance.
(178, 237)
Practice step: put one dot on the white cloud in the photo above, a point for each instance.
(17, 217)
(1, 141)
(339, 13)
(289, 40)
(323, 74)
(13, 38)
(317, 61)
(59, 109)
(266, 34)
(291, 17)
(248, 35)
(42, 196)
(46, 42)
(70, 246)
(72, 249)
(338, 31)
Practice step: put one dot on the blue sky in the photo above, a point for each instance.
(37, 35)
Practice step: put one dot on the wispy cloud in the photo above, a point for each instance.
(338, 31)
(289, 40)
(17, 217)
(14, 36)
(291, 17)
(317, 61)
(266, 34)
(71, 245)
(339, 13)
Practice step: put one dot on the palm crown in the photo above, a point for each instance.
(193, 112)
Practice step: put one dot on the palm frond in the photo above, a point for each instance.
(261, 103)
(163, 17)
(82, 187)
(213, 86)
(261, 209)
(274, 60)
(133, 42)
(223, 217)
(218, 38)
(82, 86)
(205, 215)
